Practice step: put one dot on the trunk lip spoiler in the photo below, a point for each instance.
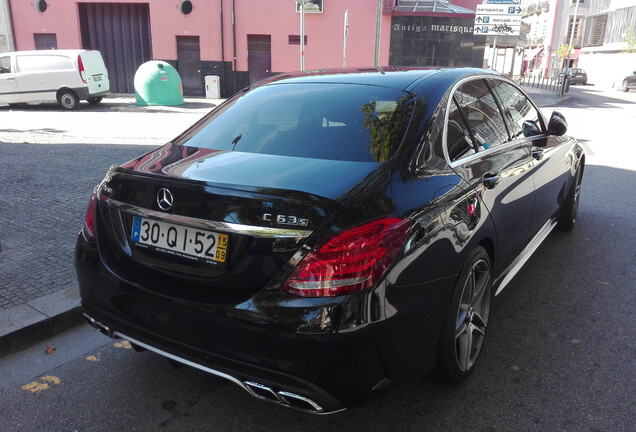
(224, 227)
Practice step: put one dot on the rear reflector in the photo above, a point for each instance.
(350, 261)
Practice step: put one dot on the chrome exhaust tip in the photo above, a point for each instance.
(288, 399)
(300, 402)
(262, 392)
(102, 328)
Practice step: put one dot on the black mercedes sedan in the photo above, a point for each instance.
(322, 237)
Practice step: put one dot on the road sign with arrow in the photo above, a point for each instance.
(497, 19)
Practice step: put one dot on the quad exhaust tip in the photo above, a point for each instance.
(289, 399)
(260, 391)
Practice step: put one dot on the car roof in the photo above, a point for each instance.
(66, 52)
(394, 77)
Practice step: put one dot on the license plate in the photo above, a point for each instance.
(97, 77)
(178, 240)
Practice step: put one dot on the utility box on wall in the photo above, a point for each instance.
(212, 87)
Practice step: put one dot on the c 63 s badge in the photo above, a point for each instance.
(285, 220)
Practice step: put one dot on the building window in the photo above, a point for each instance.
(595, 31)
(295, 39)
(573, 2)
(576, 40)
(45, 41)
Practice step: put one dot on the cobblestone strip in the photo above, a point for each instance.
(44, 191)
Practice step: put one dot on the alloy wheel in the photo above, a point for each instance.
(472, 315)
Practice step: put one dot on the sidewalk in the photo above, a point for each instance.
(25, 323)
(545, 98)
(45, 300)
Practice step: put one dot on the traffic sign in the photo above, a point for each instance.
(503, 1)
(497, 19)
(493, 9)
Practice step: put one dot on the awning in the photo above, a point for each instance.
(530, 54)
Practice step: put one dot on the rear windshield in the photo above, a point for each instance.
(322, 121)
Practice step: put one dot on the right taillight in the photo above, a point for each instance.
(88, 230)
(350, 261)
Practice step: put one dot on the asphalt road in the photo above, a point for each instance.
(560, 353)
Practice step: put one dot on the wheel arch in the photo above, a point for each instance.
(62, 90)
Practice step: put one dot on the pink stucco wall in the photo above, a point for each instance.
(253, 17)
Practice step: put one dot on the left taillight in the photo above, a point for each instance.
(350, 261)
(80, 67)
(88, 230)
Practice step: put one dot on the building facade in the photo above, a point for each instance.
(606, 53)
(243, 41)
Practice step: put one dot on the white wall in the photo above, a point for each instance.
(607, 70)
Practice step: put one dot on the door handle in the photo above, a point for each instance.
(490, 180)
(537, 154)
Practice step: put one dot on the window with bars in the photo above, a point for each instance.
(595, 30)
(576, 40)
(295, 40)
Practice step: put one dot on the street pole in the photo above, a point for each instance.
(346, 34)
(378, 15)
(494, 54)
(302, 35)
(576, 10)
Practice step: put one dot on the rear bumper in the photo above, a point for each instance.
(296, 352)
(84, 94)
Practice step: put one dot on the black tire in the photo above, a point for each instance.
(624, 86)
(68, 100)
(465, 325)
(570, 207)
(94, 100)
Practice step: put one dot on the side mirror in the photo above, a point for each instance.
(530, 129)
(557, 125)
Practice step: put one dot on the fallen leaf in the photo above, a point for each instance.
(50, 349)
(123, 344)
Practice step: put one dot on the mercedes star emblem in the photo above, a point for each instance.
(164, 199)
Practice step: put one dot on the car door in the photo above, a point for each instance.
(8, 88)
(548, 153)
(496, 168)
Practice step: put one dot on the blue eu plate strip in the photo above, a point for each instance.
(136, 229)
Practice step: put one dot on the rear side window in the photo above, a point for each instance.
(43, 63)
(322, 121)
(481, 114)
(517, 108)
(5, 64)
(458, 139)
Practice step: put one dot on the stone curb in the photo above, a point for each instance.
(39, 319)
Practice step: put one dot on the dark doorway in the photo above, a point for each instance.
(189, 65)
(45, 41)
(121, 32)
(259, 57)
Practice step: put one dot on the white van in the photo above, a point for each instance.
(65, 76)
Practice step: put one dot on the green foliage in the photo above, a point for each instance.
(385, 128)
(562, 52)
(629, 41)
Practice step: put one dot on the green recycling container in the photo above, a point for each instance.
(158, 83)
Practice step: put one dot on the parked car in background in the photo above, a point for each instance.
(322, 237)
(575, 76)
(63, 76)
(629, 82)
